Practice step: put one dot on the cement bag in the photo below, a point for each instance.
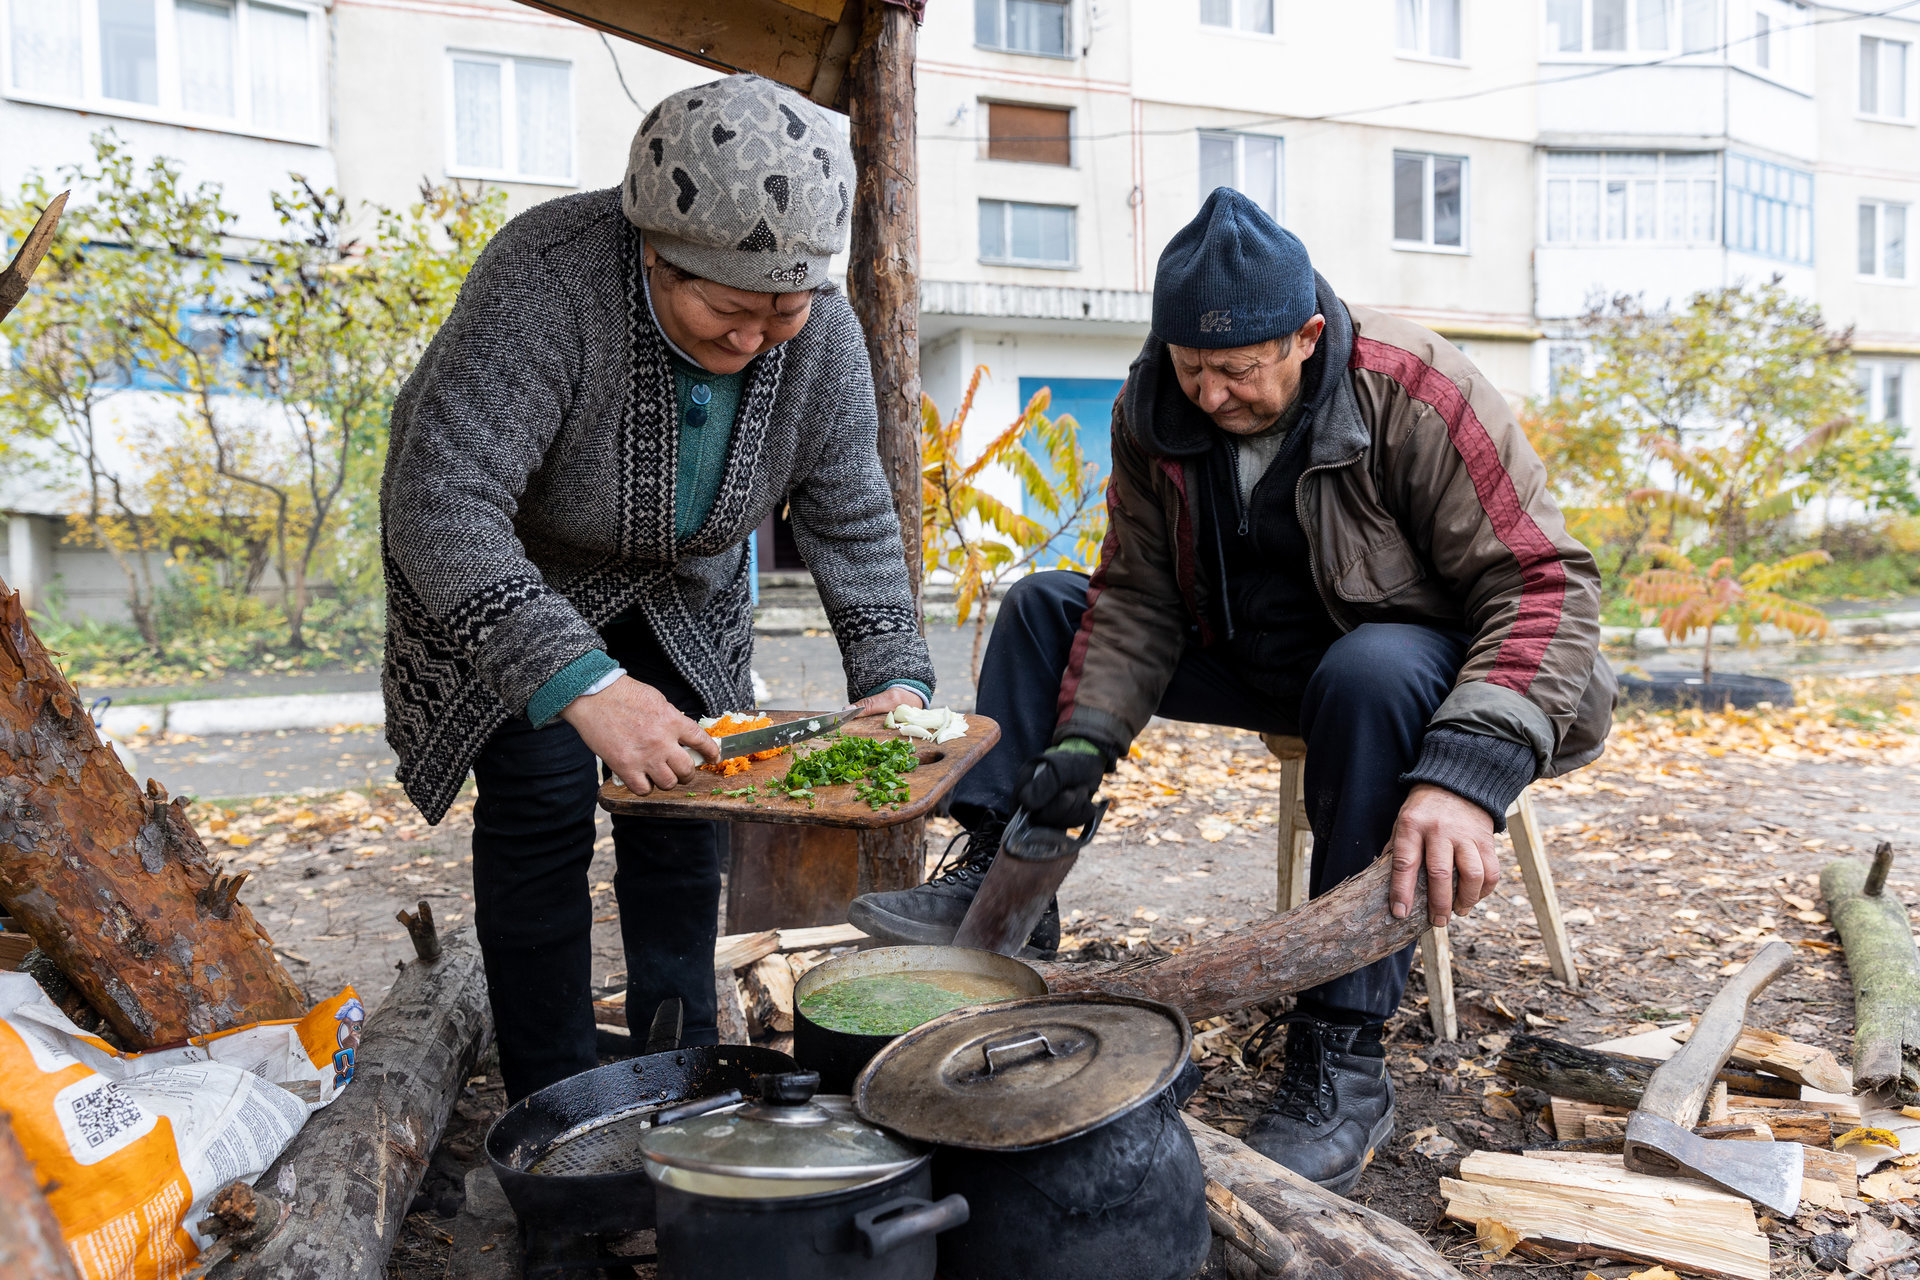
(132, 1146)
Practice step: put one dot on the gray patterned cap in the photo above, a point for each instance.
(742, 181)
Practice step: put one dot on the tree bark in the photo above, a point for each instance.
(31, 1246)
(1878, 937)
(349, 1175)
(1287, 1226)
(1610, 1079)
(112, 883)
(1331, 935)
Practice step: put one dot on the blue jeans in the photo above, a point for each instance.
(1363, 715)
(533, 831)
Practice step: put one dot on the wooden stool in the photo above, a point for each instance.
(1436, 956)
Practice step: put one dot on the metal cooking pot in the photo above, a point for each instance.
(839, 1055)
(793, 1187)
(1056, 1119)
(568, 1157)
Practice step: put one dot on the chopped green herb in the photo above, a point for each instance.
(873, 765)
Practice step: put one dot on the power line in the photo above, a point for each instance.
(1464, 95)
(619, 74)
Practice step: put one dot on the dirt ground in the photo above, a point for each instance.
(1694, 840)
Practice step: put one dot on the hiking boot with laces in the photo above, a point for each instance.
(930, 914)
(1335, 1104)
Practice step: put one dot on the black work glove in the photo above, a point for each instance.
(1056, 788)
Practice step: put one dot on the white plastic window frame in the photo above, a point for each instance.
(1906, 115)
(1788, 43)
(1072, 262)
(1239, 140)
(1879, 273)
(1000, 27)
(1423, 27)
(1675, 39)
(1763, 200)
(509, 121)
(1239, 26)
(1427, 245)
(167, 72)
(1661, 179)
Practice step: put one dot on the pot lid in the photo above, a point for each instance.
(1024, 1073)
(789, 1133)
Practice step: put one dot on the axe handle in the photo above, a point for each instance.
(1680, 1084)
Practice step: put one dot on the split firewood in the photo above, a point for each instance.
(730, 1012)
(767, 991)
(1828, 1178)
(112, 882)
(1878, 938)
(1611, 1079)
(1277, 1216)
(1614, 1129)
(348, 1176)
(1569, 1205)
(1789, 1059)
(1808, 1127)
(31, 1247)
(1328, 937)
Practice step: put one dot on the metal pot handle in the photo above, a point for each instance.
(1023, 1042)
(698, 1107)
(907, 1218)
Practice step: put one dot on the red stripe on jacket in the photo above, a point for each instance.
(1543, 578)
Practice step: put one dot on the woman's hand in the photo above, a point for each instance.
(886, 700)
(644, 739)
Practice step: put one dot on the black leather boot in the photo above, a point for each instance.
(1335, 1104)
(930, 914)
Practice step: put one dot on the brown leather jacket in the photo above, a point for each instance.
(1422, 501)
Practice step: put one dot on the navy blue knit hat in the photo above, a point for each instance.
(1232, 277)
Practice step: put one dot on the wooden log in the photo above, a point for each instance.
(31, 1246)
(1803, 1125)
(113, 883)
(1786, 1058)
(1614, 1129)
(1310, 1232)
(1330, 936)
(1587, 1205)
(1593, 1075)
(782, 874)
(1878, 937)
(730, 1011)
(349, 1175)
(13, 280)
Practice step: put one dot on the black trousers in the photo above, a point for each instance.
(1363, 715)
(533, 831)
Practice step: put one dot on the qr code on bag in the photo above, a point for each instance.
(99, 1118)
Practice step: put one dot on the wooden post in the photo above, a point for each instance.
(31, 1247)
(883, 283)
(113, 883)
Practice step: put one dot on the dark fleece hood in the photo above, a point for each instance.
(1169, 425)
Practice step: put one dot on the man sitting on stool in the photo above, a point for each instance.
(1323, 521)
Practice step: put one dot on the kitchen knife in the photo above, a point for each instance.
(748, 741)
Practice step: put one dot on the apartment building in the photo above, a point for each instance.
(1482, 166)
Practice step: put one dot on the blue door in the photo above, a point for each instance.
(1090, 402)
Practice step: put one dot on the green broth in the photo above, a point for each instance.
(891, 1004)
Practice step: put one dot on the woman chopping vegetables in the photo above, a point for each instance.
(630, 381)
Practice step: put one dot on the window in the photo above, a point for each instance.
(1036, 135)
(1565, 362)
(512, 118)
(1883, 240)
(1247, 162)
(1762, 40)
(1023, 26)
(1883, 78)
(1427, 27)
(1769, 209)
(1882, 391)
(1247, 15)
(1629, 28)
(1771, 38)
(1429, 201)
(233, 64)
(1027, 235)
(1608, 197)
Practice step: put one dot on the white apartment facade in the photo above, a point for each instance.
(1482, 166)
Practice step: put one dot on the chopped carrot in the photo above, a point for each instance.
(738, 722)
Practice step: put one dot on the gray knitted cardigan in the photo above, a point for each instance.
(528, 496)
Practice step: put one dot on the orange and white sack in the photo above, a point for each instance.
(131, 1146)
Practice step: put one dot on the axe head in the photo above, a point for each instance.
(1767, 1173)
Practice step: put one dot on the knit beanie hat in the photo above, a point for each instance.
(742, 181)
(1232, 277)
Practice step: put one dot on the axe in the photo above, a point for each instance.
(1026, 872)
(1660, 1137)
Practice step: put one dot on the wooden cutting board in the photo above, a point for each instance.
(941, 767)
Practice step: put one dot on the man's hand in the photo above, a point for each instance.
(644, 739)
(1448, 836)
(1057, 788)
(886, 700)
